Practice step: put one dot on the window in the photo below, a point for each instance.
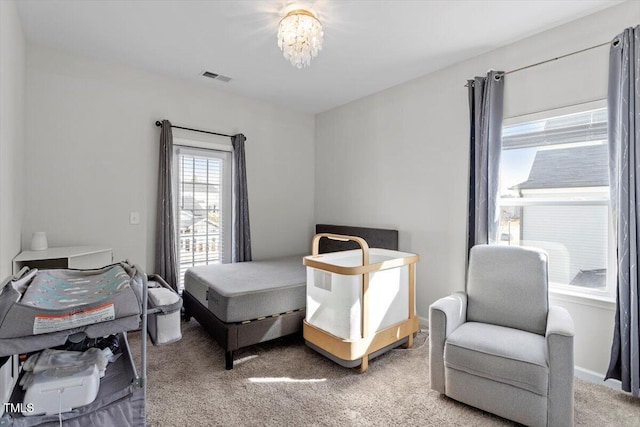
(203, 205)
(554, 194)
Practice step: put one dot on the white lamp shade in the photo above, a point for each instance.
(39, 241)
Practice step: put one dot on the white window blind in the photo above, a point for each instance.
(203, 207)
(571, 128)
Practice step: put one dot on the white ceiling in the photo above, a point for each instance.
(368, 45)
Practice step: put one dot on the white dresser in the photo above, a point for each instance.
(64, 257)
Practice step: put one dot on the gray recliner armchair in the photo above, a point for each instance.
(499, 346)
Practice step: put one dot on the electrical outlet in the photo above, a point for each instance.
(134, 218)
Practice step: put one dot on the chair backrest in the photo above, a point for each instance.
(507, 286)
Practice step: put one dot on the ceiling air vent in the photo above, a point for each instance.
(215, 76)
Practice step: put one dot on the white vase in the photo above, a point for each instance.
(39, 241)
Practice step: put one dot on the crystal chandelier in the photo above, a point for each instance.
(299, 35)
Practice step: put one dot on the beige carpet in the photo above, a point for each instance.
(284, 383)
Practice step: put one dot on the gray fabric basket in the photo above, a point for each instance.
(164, 326)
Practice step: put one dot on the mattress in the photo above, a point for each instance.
(249, 290)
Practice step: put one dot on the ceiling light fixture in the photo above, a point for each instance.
(299, 35)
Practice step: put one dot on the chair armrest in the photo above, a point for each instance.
(454, 310)
(559, 322)
(559, 339)
(445, 316)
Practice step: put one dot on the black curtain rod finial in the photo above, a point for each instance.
(158, 123)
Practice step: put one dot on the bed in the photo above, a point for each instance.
(248, 303)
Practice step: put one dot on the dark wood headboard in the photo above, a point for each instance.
(375, 237)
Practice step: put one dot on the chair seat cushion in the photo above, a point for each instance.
(501, 354)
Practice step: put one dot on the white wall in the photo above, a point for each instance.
(399, 158)
(92, 155)
(12, 125)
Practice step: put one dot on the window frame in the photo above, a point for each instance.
(212, 151)
(609, 293)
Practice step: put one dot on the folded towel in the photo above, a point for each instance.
(162, 297)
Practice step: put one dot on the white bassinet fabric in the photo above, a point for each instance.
(334, 301)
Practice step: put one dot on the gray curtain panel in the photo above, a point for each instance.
(624, 169)
(485, 110)
(166, 254)
(240, 233)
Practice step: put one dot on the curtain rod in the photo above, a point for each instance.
(615, 43)
(159, 124)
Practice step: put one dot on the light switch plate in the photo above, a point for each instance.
(134, 218)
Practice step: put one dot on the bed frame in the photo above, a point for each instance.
(233, 336)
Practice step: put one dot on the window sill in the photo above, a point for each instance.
(605, 302)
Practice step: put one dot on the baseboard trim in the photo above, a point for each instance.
(423, 324)
(596, 378)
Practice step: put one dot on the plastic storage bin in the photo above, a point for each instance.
(360, 303)
(163, 322)
(61, 389)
